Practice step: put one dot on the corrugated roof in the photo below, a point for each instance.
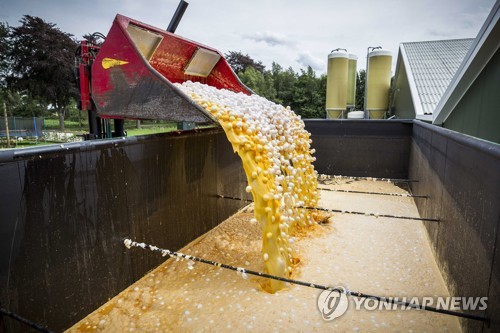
(432, 65)
(482, 50)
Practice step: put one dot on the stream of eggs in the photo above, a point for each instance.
(276, 153)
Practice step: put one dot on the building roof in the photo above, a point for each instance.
(482, 50)
(430, 67)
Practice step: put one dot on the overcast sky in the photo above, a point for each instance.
(292, 33)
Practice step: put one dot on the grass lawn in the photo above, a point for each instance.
(70, 125)
(24, 143)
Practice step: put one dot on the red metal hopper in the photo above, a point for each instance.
(134, 72)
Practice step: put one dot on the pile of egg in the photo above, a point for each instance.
(275, 151)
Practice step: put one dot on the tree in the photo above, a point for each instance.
(360, 89)
(239, 62)
(303, 92)
(284, 84)
(322, 97)
(269, 90)
(252, 79)
(260, 83)
(308, 95)
(16, 102)
(4, 68)
(21, 105)
(42, 59)
(4, 50)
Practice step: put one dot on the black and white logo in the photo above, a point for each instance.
(333, 303)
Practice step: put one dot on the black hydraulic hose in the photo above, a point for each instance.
(394, 180)
(25, 321)
(98, 35)
(375, 193)
(342, 211)
(129, 244)
(233, 198)
(369, 214)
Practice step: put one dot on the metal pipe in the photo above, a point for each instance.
(6, 124)
(94, 123)
(119, 128)
(179, 12)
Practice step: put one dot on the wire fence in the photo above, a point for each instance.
(22, 127)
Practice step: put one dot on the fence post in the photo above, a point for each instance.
(6, 124)
(36, 133)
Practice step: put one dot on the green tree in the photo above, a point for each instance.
(269, 91)
(42, 59)
(239, 62)
(21, 105)
(260, 83)
(360, 89)
(4, 51)
(304, 92)
(25, 105)
(252, 79)
(322, 97)
(284, 84)
(16, 103)
(308, 100)
(4, 69)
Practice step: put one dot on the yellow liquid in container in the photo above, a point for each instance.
(275, 151)
(378, 83)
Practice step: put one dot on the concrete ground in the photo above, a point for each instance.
(373, 255)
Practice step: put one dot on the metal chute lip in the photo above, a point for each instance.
(123, 28)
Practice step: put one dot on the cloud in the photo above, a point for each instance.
(273, 34)
(271, 39)
(307, 59)
(439, 33)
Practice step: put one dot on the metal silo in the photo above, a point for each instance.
(336, 84)
(378, 82)
(351, 81)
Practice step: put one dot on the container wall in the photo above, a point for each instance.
(363, 148)
(66, 209)
(461, 175)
